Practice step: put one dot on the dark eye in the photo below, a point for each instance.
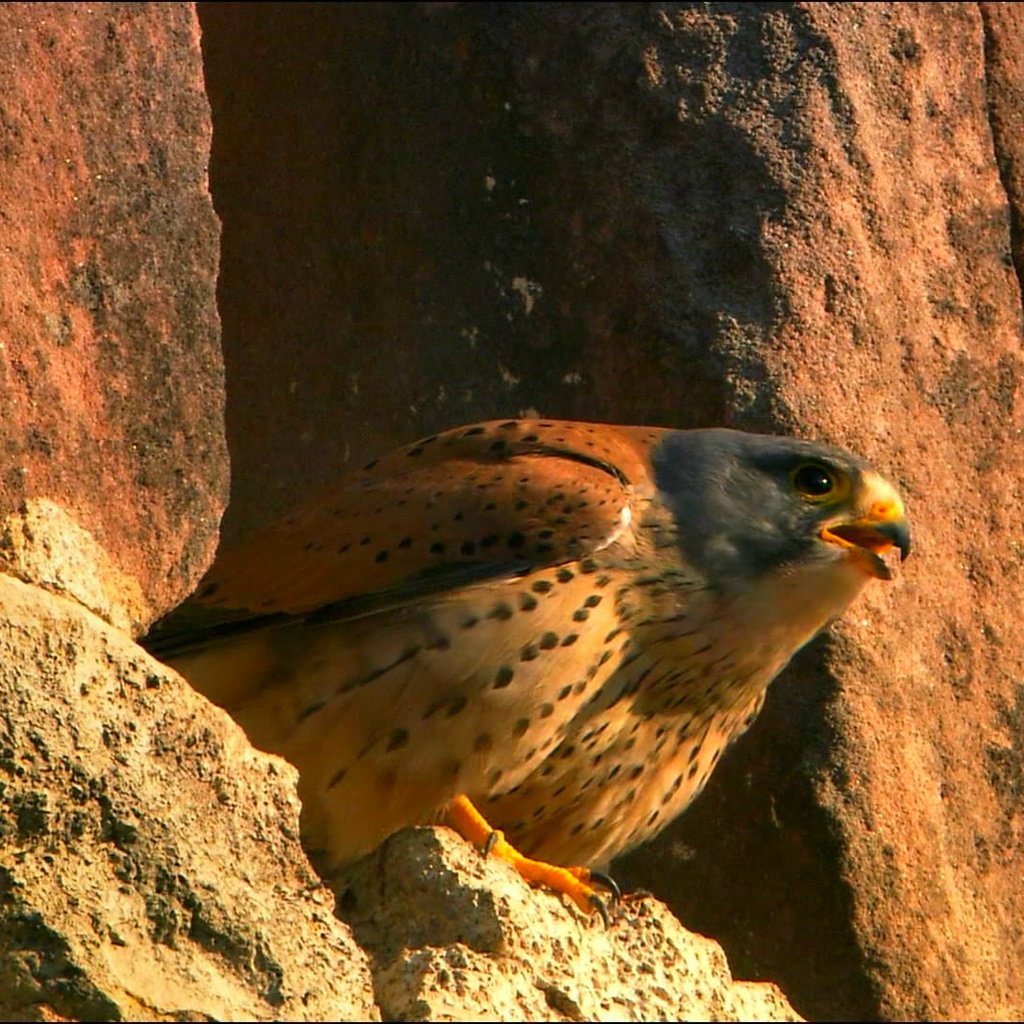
(814, 480)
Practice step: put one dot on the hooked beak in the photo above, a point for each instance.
(881, 526)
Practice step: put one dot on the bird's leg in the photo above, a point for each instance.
(462, 816)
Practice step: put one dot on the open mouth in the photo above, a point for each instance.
(867, 542)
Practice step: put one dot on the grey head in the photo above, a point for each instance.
(747, 504)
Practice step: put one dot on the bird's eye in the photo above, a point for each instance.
(814, 481)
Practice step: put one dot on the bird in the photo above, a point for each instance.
(542, 632)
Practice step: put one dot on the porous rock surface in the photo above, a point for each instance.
(149, 862)
(455, 936)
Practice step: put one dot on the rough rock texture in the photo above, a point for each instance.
(455, 936)
(794, 217)
(114, 465)
(881, 802)
(149, 865)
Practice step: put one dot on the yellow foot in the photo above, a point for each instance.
(575, 882)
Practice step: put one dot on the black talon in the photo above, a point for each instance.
(602, 908)
(607, 882)
(489, 843)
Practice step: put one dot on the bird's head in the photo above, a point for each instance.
(747, 504)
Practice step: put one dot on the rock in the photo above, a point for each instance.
(111, 377)
(880, 837)
(1004, 77)
(455, 936)
(797, 218)
(149, 861)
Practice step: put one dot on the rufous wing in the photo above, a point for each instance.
(478, 502)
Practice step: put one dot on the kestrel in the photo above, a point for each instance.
(549, 628)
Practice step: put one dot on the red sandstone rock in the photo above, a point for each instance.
(110, 374)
